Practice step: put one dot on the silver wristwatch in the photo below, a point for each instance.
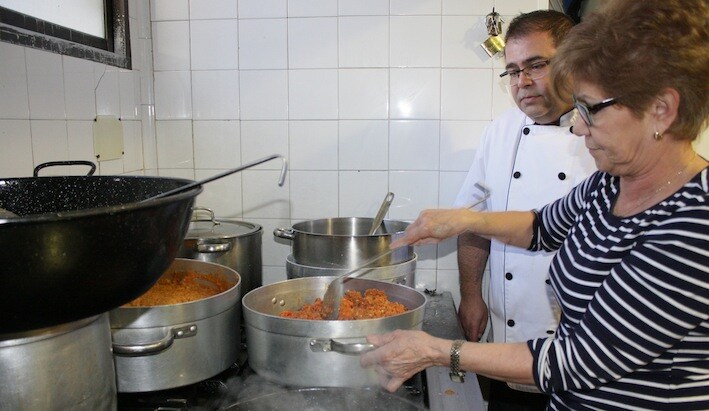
(456, 374)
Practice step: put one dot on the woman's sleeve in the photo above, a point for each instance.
(553, 221)
(650, 312)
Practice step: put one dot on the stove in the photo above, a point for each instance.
(239, 387)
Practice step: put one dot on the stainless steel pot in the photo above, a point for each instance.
(161, 347)
(64, 367)
(402, 273)
(315, 353)
(344, 242)
(232, 243)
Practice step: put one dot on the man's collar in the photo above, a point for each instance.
(567, 119)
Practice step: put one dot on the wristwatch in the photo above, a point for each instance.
(456, 374)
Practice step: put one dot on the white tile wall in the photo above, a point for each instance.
(362, 96)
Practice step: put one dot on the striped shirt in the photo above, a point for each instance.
(634, 294)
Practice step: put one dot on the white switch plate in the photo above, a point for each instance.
(108, 138)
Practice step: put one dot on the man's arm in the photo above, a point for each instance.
(473, 252)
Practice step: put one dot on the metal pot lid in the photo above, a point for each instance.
(206, 228)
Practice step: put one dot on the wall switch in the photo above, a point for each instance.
(108, 138)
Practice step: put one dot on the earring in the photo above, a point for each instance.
(657, 136)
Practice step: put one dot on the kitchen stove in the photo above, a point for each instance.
(239, 387)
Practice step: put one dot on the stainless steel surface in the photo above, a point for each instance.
(336, 289)
(441, 320)
(279, 349)
(232, 243)
(281, 178)
(381, 213)
(161, 347)
(340, 399)
(64, 367)
(344, 242)
(401, 273)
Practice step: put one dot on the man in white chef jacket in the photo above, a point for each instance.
(527, 158)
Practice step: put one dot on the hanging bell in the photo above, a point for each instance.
(494, 43)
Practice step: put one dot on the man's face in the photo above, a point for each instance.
(533, 96)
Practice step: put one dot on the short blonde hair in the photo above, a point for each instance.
(632, 50)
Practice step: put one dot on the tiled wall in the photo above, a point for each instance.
(48, 104)
(362, 96)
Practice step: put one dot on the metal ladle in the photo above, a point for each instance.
(381, 213)
(336, 289)
(281, 178)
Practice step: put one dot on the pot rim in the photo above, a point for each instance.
(316, 279)
(170, 314)
(299, 227)
(96, 211)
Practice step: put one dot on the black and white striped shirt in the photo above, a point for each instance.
(634, 293)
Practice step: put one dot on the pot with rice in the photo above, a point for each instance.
(185, 329)
(311, 352)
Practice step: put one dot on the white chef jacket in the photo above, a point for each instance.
(525, 166)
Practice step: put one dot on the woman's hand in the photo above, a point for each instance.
(401, 354)
(433, 226)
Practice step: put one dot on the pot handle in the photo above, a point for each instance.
(214, 247)
(91, 172)
(287, 233)
(357, 346)
(155, 347)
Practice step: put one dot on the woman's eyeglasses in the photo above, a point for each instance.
(586, 112)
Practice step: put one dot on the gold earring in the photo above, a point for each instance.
(657, 136)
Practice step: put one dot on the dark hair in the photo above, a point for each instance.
(632, 50)
(556, 23)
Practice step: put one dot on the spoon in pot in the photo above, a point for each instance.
(380, 214)
(336, 289)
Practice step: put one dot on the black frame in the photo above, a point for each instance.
(114, 50)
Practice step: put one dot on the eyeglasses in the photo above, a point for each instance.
(534, 71)
(587, 112)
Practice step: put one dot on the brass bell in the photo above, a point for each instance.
(494, 43)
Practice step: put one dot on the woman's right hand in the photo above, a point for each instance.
(434, 226)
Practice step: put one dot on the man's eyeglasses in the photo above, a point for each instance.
(534, 71)
(586, 112)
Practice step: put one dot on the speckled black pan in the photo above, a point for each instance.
(83, 245)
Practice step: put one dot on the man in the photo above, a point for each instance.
(527, 158)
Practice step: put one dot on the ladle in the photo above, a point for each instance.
(336, 289)
(281, 178)
(381, 213)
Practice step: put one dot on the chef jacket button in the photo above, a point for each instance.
(511, 323)
(517, 174)
(562, 176)
(547, 281)
(508, 276)
(550, 332)
(525, 131)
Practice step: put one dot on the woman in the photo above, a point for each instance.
(632, 269)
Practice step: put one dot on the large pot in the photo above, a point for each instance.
(344, 242)
(401, 273)
(65, 367)
(161, 347)
(233, 243)
(317, 353)
(83, 245)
